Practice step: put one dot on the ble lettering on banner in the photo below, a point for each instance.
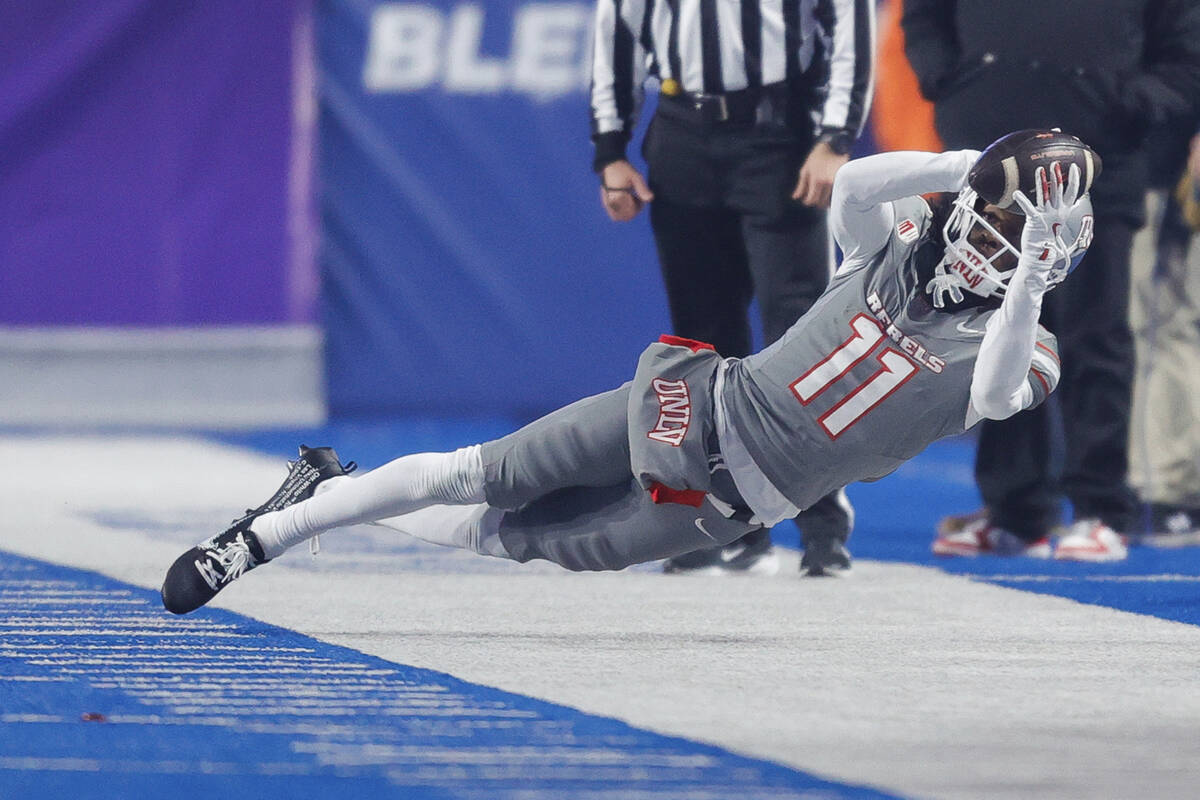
(412, 47)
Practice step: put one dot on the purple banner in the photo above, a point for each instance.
(146, 175)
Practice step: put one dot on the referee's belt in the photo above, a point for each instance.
(744, 106)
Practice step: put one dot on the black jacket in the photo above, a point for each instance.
(1103, 70)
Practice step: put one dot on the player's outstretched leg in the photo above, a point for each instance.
(201, 572)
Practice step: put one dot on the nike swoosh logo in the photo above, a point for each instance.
(733, 552)
(969, 331)
(700, 525)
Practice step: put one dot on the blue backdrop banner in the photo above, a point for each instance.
(468, 265)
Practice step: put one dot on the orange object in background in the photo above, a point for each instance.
(902, 118)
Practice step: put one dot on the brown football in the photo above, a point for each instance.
(1010, 163)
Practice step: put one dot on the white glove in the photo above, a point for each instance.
(1042, 244)
(943, 285)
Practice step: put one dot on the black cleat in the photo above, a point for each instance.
(314, 466)
(825, 558)
(751, 554)
(197, 575)
(201, 572)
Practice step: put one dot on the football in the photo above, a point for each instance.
(1011, 162)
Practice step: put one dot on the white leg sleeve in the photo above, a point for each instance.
(399, 487)
(475, 528)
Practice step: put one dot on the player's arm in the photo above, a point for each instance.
(862, 216)
(1039, 380)
(1014, 370)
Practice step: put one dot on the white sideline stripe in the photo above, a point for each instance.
(162, 376)
(177, 338)
(1162, 578)
(155, 767)
(906, 678)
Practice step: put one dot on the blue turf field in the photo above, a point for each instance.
(243, 709)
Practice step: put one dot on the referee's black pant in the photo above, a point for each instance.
(728, 232)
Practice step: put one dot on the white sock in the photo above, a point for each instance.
(475, 528)
(406, 484)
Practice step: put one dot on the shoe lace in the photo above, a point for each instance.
(235, 557)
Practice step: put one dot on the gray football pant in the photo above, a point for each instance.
(571, 498)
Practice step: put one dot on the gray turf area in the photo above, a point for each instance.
(900, 677)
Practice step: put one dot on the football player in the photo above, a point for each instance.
(929, 325)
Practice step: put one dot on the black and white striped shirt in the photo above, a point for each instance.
(713, 46)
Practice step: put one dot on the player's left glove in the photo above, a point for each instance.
(1043, 249)
(942, 285)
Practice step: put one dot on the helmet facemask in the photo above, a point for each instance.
(969, 234)
(979, 258)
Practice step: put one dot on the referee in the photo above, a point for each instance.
(759, 104)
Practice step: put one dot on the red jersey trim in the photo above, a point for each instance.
(680, 341)
(684, 497)
(1049, 352)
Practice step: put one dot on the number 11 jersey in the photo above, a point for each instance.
(867, 378)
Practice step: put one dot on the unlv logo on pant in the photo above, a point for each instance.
(674, 411)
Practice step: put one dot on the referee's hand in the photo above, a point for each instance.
(623, 191)
(815, 186)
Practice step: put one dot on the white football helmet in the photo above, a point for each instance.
(965, 267)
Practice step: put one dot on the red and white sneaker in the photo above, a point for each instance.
(1091, 540)
(979, 537)
(956, 522)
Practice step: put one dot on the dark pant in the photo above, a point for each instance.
(727, 232)
(1016, 464)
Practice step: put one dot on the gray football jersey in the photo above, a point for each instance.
(867, 378)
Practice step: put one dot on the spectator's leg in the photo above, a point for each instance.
(1013, 469)
(1092, 324)
(790, 262)
(703, 263)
